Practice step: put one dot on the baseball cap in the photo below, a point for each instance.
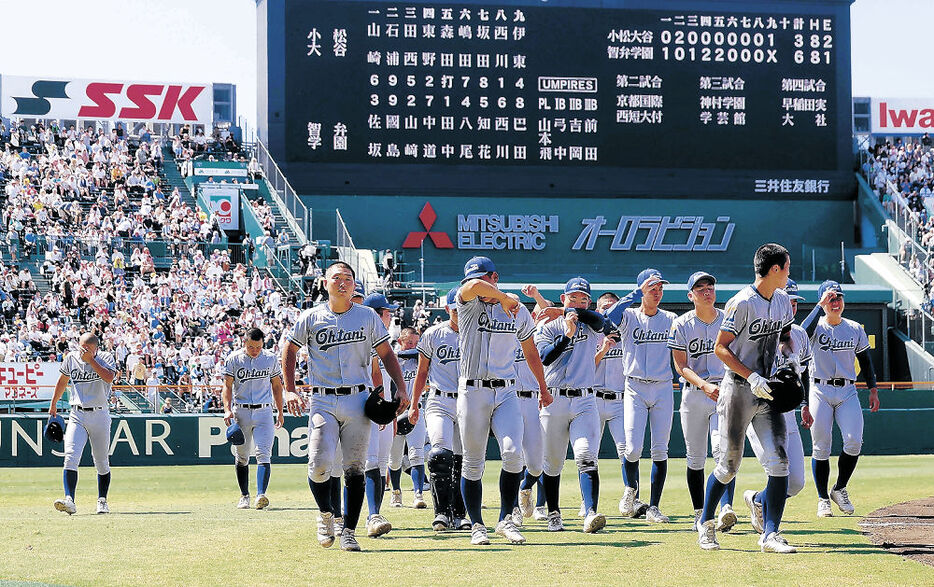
(450, 300)
(829, 285)
(478, 267)
(378, 301)
(577, 284)
(791, 288)
(650, 275)
(358, 289)
(697, 276)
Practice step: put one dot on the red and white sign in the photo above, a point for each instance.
(902, 115)
(224, 200)
(52, 97)
(28, 381)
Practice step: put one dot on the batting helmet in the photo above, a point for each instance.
(378, 409)
(787, 390)
(55, 429)
(403, 426)
(235, 434)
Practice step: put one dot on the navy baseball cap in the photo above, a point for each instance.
(378, 301)
(697, 276)
(791, 288)
(450, 300)
(358, 289)
(478, 267)
(235, 434)
(577, 284)
(829, 285)
(651, 275)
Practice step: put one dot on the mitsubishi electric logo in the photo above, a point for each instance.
(415, 238)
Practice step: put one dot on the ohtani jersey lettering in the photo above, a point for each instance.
(408, 362)
(645, 344)
(835, 348)
(439, 344)
(90, 391)
(525, 380)
(800, 350)
(487, 338)
(339, 345)
(252, 377)
(757, 323)
(697, 338)
(609, 374)
(574, 368)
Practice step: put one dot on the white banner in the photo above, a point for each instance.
(902, 115)
(33, 97)
(28, 381)
(221, 171)
(224, 200)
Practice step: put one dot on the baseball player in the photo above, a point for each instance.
(376, 468)
(797, 354)
(691, 342)
(252, 382)
(408, 360)
(568, 347)
(91, 373)
(338, 336)
(755, 320)
(837, 343)
(438, 358)
(490, 321)
(649, 395)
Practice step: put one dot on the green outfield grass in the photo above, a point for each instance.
(179, 525)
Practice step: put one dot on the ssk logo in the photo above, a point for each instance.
(700, 346)
(38, 104)
(331, 337)
(826, 343)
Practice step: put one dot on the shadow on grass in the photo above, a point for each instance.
(175, 513)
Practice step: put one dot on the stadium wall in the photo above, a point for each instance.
(195, 440)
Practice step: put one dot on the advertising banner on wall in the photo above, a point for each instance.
(902, 115)
(28, 381)
(63, 98)
(224, 200)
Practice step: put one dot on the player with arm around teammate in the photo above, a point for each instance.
(691, 341)
(339, 336)
(568, 347)
(252, 383)
(438, 370)
(837, 343)
(490, 321)
(755, 320)
(91, 373)
(797, 354)
(649, 397)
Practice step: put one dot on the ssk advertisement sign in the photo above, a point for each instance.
(63, 98)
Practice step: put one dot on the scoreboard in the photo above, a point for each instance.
(726, 98)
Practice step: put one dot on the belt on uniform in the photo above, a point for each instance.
(838, 382)
(435, 392)
(610, 395)
(526, 393)
(90, 409)
(571, 392)
(253, 406)
(641, 380)
(491, 383)
(346, 390)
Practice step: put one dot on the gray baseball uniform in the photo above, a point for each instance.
(696, 339)
(835, 349)
(800, 356)
(339, 350)
(533, 449)
(252, 402)
(416, 438)
(377, 452)
(756, 324)
(649, 396)
(486, 395)
(609, 388)
(439, 344)
(90, 411)
(570, 418)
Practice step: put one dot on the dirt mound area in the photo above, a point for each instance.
(904, 528)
